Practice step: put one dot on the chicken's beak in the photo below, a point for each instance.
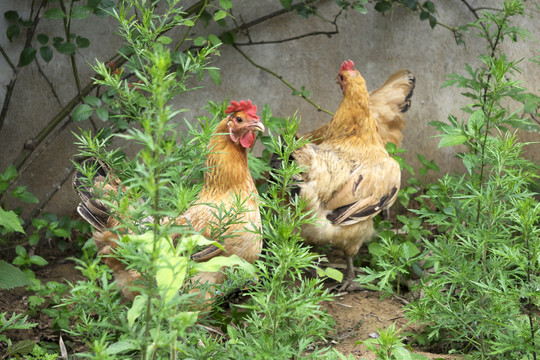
(257, 126)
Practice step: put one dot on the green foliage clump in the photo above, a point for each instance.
(483, 296)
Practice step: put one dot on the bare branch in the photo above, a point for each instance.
(318, 107)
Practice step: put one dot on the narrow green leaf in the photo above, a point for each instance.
(82, 112)
(10, 221)
(54, 13)
(27, 56)
(46, 53)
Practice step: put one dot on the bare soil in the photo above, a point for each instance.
(358, 315)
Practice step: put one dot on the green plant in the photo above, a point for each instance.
(283, 318)
(16, 321)
(397, 254)
(388, 346)
(483, 297)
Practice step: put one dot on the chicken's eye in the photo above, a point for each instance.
(239, 119)
(340, 77)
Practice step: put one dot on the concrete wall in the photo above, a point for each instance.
(378, 44)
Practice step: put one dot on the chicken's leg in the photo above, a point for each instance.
(350, 275)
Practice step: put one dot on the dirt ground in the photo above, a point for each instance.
(358, 315)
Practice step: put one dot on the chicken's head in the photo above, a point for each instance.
(346, 73)
(242, 122)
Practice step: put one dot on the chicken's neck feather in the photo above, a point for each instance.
(353, 119)
(227, 166)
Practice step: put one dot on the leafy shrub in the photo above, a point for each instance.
(483, 296)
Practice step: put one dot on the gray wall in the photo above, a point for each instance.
(378, 44)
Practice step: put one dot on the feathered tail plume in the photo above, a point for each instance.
(90, 190)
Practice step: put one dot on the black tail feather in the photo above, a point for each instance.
(91, 208)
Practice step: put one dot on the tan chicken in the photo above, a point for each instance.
(349, 177)
(227, 179)
(388, 104)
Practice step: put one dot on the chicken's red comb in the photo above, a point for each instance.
(347, 65)
(245, 106)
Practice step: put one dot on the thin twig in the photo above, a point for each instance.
(318, 107)
(11, 85)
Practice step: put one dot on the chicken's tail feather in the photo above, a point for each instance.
(91, 208)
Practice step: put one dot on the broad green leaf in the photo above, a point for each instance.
(219, 15)
(215, 75)
(376, 249)
(199, 41)
(411, 250)
(21, 193)
(383, 6)
(334, 274)
(61, 232)
(43, 39)
(11, 15)
(411, 4)
(13, 32)
(65, 48)
(214, 39)
(46, 53)
(139, 304)
(10, 221)
(102, 114)
(121, 346)
(82, 42)
(38, 260)
(82, 112)
(185, 319)
(165, 40)
(11, 276)
(54, 13)
(23, 347)
(225, 4)
(452, 140)
(10, 173)
(170, 275)
(287, 4)
(218, 262)
(92, 101)
(27, 56)
(81, 12)
(228, 37)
